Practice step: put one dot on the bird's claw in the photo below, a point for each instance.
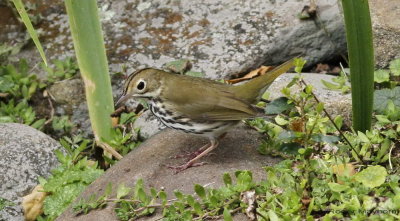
(185, 166)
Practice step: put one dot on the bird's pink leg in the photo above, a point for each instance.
(192, 155)
(191, 163)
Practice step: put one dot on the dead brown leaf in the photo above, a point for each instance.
(297, 125)
(33, 203)
(249, 198)
(343, 170)
(322, 68)
(252, 74)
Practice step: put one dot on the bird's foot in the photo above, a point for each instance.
(185, 166)
(188, 155)
(191, 155)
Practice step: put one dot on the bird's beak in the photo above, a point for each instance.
(122, 100)
(126, 97)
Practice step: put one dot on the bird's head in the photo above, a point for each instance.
(145, 83)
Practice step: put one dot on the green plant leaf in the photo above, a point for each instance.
(163, 196)
(272, 216)
(227, 215)
(122, 190)
(178, 66)
(381, 76)
(195, 74)
(227, 179)
(200, 191)
(335, 187)
(330, 85)
(395, 67)
(27, 22)
(382, 97)
(178, 195)
(280, 120)
(278, 106)
(361, 59)
(372, 176)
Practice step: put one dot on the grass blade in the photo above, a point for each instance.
(361, 57)
(91, 55)
(32, 32)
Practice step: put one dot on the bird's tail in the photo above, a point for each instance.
(255, 88)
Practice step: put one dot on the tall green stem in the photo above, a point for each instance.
(361, 56)
(91, 55)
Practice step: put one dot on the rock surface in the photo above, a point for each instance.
(25, 154)
(237, 151)
(386, 30)
(220, 37)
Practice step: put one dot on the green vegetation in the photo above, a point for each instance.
(69, 179)
(19, 88)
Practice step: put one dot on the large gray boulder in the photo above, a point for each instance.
(220, 37)
(237, 151)
(25, 154)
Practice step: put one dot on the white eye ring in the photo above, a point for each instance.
(141, 85)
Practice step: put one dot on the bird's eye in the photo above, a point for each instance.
(140, 86)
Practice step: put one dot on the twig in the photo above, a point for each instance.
(108, 149)
(320, 24)
(390, 157)
(51, 111)
(333, 122)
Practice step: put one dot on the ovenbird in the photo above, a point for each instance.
(196, 105)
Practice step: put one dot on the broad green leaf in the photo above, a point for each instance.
(325, 138)
(227, 179)
(330, 85)
(395, 67)
(272, 216)
(163, 197)
(122, 190)
(338, 121)
(178, 195)
(227, 215)
(335, 187)
(382, 97)
(381, 76)
(142, 195)
(299, 62)
(195, 74)
(363, 137)
(280, 120)
(372, 176)
(178, 66)
(278, 106)
(200, 191)
(383, 119)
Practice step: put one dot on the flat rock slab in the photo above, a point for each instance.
(237, 151)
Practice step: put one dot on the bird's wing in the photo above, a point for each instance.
(210, 102)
